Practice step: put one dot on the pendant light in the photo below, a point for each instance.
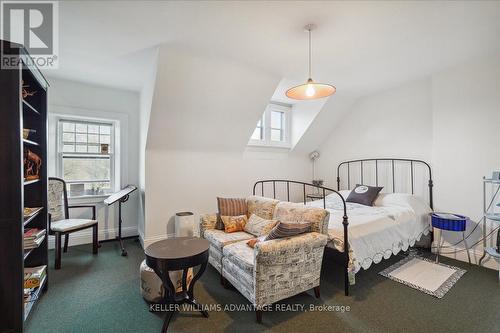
(310, 89)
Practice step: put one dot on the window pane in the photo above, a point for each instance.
(257, 134)
(86, 168)
(93, 149)
(68, 137)
(93, 138)
(105, 129)
(105, 139)
(81, 148)
(81, 138)
(276, 135)
(276, 119)
(68, 148)
(94, 188)
(94, 129)
(68, 127)
(81, 128)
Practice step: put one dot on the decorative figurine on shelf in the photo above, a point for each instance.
(32, 165)
(27, 132)
(25, 91)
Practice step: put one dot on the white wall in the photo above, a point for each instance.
(449, 119)
(203, 113)
(392, 123)
(146, 100)
(83, 100)
(191, 181)
(466, 117)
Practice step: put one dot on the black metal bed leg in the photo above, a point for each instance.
(346, 253)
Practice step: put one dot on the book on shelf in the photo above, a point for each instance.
(30, 211)
(33, 233)
(33, 237)
(33, 276)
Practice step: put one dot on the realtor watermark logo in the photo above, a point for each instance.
(35, 25)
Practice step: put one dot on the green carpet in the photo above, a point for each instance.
(101, 294)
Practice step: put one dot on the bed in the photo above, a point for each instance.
(397, 220)
(394, 223)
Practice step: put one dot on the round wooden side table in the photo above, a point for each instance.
(178, 254)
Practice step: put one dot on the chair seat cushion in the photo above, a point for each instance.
(241, 255)
(71, 224)
(219, 238)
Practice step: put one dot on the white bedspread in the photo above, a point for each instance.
(395, 222)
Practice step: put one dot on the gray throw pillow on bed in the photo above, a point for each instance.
(364, 195)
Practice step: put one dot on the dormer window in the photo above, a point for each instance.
(273, 129)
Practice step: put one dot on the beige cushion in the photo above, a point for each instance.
(219, 238)
(258, 226)
(262, 207)
(241, 255)
(293, 212)
(71, 224)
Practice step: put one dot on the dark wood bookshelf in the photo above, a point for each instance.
(30, 143)
(28, 106)
(16, 193)
(29, 182)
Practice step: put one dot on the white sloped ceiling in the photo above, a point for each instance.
(205, 103)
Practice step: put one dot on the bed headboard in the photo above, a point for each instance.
(368, 173)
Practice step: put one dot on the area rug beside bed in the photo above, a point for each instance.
(424, 275)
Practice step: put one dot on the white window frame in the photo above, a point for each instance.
(113, 154)
(266, 125)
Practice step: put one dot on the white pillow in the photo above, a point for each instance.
(343, 193)
(414, 202)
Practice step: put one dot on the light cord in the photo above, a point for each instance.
(310, 54)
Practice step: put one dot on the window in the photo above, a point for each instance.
(274, 127)
(86, 156)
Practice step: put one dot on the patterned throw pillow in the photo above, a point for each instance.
(229, 207)
(364, 195)
(254, 241)
(288, 229)
(234, 223)
(262, 207)
(258, 226)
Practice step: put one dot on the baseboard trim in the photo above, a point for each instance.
(475, 255)
(150, 240)
(85, 236)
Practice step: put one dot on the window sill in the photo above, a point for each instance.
(87, 199)
(270, 146)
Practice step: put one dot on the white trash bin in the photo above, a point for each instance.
(184, 224)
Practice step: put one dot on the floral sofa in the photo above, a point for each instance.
(275, 269)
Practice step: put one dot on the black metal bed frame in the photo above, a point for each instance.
(392, 160)
(324, 191)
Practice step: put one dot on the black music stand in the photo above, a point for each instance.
(121, 197)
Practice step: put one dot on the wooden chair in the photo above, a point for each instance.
(59, 221)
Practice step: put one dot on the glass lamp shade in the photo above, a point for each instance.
(310, 90)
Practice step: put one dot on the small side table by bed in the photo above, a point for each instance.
(178, 254)
(449, 222)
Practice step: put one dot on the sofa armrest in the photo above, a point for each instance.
(288, 266)
(281, 251)
(207, 221)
